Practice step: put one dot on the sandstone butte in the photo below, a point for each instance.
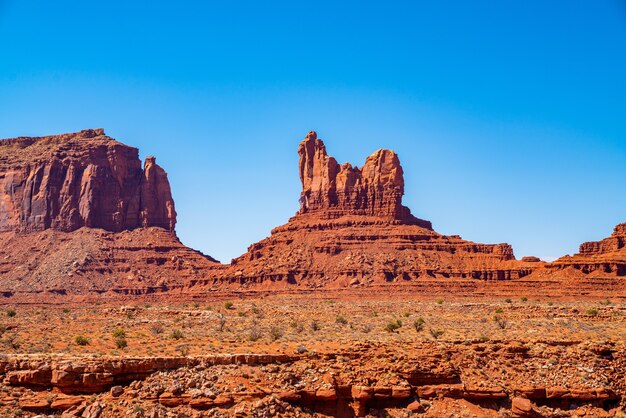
(80, 215)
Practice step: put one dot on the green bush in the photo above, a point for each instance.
(81, 340)
(592, 312)
(119, 333)
(11, 313)
(393, 326)
(228, 305)
(419, 324)
(121, 343)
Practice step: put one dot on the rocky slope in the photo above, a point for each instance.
(352, 230)
(79, 215)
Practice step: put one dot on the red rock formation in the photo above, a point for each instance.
(602, 258)
(353, 230)
(79, 215)
(65, 182)
(330, 190)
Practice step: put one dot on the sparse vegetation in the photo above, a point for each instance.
(119, 333)
(121, 343)
(439, 301)
(508, 300)
(499, 310)
(524, 299)
(176, 334)
(11, 313)
(435, 333)
(592, 312)
(393, 326)
(418, 324)
(276, 333)
(341, 320)
(315, 325)
(81, 340)
(228, 305)
(255, 333)
(500, 322)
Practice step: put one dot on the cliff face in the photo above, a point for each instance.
(353, 230)
(330, 190)
(84, 179)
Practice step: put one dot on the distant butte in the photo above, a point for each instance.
(352, 230)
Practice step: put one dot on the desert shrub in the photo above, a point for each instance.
(419, 324)
(508, 300)
(228, 305)
(221, 323)
(157, 329)
(592, 312)
(119, 333)
(550, 303)
(435, 333)
(65, 310)
(524, 299)
(81, 340)
(176, 334)
(406, 314)
(11, 313)
(367, 328)
(483, 339)
(315, 325)
(241, 314)
(606, 302)
(255, 333)
(121, 343)
(297, 326)
(499, 310)
(393, 326)
(341, 320)
(276, 333)
(501, 322)
(196, 305)
(439, 301)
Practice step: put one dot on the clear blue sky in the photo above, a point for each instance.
(509, 117)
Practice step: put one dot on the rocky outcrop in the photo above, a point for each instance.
(602, 258)
(84, 179)
(352, 230)
(330, 190)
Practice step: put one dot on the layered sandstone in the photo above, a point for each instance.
(330, 190)
(80, 215)
(601, 258)
(352, 230)
(84, 179)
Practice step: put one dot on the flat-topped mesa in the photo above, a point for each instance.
(84, 179)
(330, 190)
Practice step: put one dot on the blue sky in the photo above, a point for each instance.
(509, 117)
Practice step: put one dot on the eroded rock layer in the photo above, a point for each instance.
(353, 230)
(84, 179)
(601, 258)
